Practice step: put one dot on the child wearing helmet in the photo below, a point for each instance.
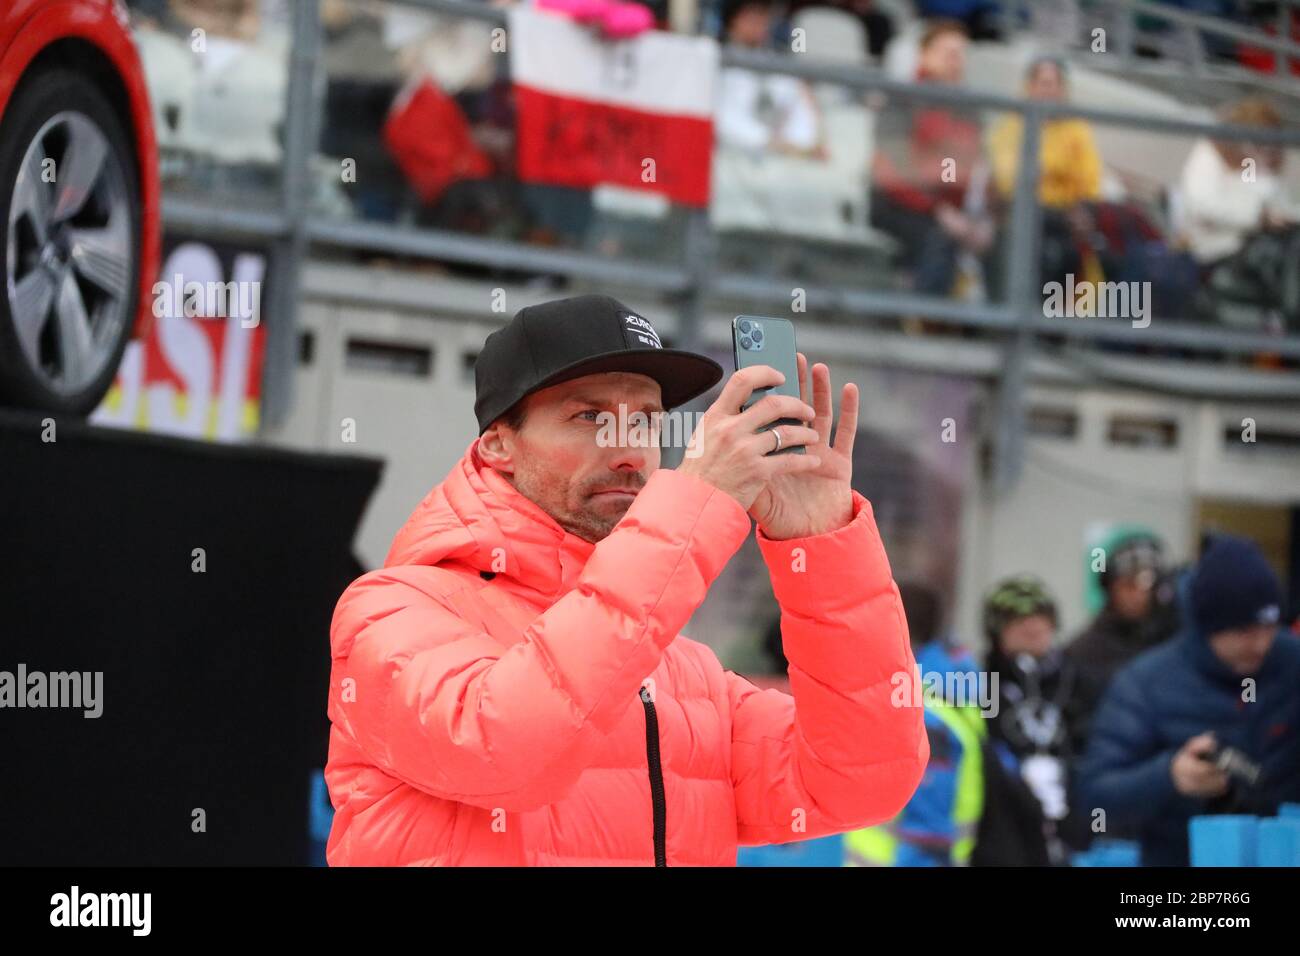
(1035, 727)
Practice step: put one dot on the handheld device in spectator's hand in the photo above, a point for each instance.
(1235, 764)
(759, 340)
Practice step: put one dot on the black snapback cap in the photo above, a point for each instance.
(554, 342)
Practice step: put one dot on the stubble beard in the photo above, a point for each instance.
(552, 497)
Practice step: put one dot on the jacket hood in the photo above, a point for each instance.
(477, 518)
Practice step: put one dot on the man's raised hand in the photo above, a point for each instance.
(733, 454)
(807, 501)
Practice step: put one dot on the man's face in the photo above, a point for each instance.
(1243, 649)
(944, 60)
(1130, 596)
(560, 457)
(1046, 83)
(1028, 635)
(751, 26)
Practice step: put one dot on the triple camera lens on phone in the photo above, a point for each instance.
(751, 335)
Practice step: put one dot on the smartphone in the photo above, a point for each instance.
(762, 340)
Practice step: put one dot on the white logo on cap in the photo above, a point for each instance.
(1270, 614)
(642, 331)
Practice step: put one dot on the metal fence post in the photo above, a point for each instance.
(302, 111)
(1023, 296)
(699, 249)
(1125, 28)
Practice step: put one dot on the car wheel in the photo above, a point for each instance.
(70, 215)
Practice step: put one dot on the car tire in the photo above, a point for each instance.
(70, 247)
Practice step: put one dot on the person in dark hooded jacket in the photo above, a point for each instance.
(1228, 682)
(1128, 624)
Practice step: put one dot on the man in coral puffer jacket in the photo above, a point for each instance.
(511, 688)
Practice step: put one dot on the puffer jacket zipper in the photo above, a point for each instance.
(656, 777)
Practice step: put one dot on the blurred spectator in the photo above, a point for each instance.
(1207, 723)
(979, 17)
(968, 809)
(464, 178)
(877, 25)
(1069, 176)
(763, 111)
(939, 824)
(1012, 830)
(362, 79)
(1127, 625)
(1240, 225)
(454, 87)
(1036, 725)
(234, 19)
(1230, 190)
(1070, 171)
(217, 74)
(934, 653)
(921, 196)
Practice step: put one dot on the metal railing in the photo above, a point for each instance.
(292, 229)
(1015, 11)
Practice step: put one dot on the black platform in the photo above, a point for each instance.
(214, 683)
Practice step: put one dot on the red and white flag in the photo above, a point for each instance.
(590, 111)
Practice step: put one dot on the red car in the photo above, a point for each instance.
(79, 200)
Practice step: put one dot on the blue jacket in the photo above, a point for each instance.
(1163, 698)
(926, 831)
(926, 828)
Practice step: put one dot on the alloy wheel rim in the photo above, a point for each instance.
(68, 253)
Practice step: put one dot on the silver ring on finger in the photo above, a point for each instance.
(777, 432)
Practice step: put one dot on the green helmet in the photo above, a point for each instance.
(1117, 544)
(1130, 554)
(1012, 598)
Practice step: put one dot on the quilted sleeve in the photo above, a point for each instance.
(836, 754)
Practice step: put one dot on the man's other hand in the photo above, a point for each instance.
(733, 453)
(814, 500)
(1194, 774)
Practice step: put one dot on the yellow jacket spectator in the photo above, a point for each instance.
(1070, 170)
